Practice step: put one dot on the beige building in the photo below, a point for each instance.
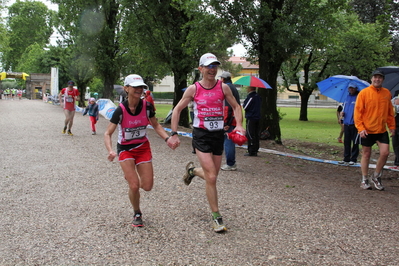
(37, 85)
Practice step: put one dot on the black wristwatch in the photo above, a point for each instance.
(173, 133)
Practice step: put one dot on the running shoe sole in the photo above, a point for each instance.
(218, 227)
(138, 225)
(186, 177)
(137, 222)
(377, 183)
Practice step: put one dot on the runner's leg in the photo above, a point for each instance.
(210, 165)
(382, 159)
(366, 153)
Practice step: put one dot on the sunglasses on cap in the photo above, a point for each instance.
(136, 87)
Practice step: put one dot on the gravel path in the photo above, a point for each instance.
(63, 203)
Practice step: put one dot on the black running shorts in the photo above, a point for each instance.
(208, 141)
(372, 139)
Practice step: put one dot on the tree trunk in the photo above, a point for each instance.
(270, 117)
(180, 84)
(108, 50)
(303, 113)
(108, 88)
(82, 92)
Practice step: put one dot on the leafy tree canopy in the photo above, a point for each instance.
(355, 48)
(28, 23)
(358, 48)
(31, 62)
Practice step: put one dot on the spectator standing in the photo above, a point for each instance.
(93, 112)
(340, 122)
(19, 93)
(6, 93)
(67, 97)
(13, 93)
(395, 137)
(373, 114)
(133, 148)
(252, 105)
(208, 95)
(229, 125)
(351, 148)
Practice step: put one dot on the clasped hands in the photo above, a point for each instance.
(173, 142)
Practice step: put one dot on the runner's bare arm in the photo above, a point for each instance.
(108, 141)
(161, 132)
(184, 101)
(60, 99)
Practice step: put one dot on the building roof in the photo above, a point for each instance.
(243, 62)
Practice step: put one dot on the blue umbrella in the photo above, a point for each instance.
(336, 87)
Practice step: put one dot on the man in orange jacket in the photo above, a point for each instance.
(373, 114)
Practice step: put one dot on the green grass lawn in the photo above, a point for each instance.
(322, 126)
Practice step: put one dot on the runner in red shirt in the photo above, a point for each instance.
(149, 98)
(67, 97)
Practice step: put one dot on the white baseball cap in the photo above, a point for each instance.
(134, 81)
(208, 59)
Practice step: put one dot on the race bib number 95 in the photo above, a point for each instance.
(135, 133)
(213, 123)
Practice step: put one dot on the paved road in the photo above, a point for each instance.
(63, 203)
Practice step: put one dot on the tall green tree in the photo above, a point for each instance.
(3, 46)
(81, 69)
(28, 23)
(32, 60)
(274, 30)
(3, 35)
(359, 48)
(91, 29)
(355, 49)
(309, 62)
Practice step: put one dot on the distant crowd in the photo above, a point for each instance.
(10, 94)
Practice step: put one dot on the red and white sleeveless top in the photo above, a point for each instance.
(133, 128)
(69, 98)
(209, 107)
